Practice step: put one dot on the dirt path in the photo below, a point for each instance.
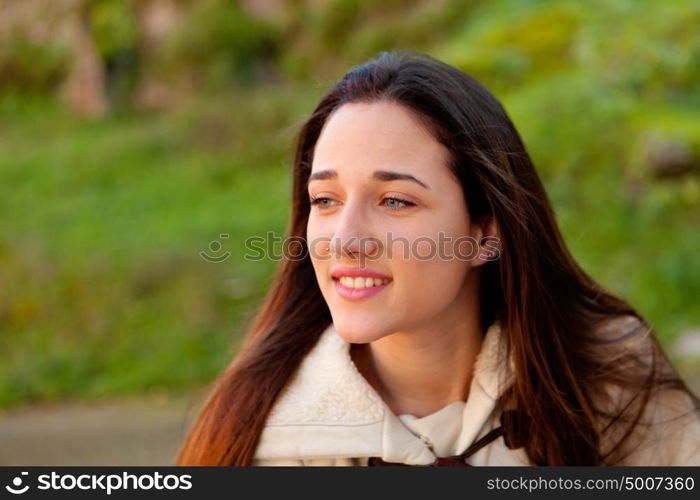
(134, 431)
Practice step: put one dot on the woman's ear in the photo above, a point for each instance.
(488, 238)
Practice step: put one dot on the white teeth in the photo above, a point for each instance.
(361, 282)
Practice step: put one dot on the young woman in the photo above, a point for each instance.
(428, 311)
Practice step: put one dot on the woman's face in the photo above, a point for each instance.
(381, 194)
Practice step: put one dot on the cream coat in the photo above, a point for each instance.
(329, 415)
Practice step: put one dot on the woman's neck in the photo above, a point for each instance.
(420, 371)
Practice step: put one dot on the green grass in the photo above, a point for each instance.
(103, 291)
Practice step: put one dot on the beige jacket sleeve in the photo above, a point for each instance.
(668, 433)
(673, 438)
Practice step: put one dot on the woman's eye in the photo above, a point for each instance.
(390, 202)
(397, 203)
(320, 201)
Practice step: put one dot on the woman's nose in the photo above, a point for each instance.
(354, 236)
(354, 246)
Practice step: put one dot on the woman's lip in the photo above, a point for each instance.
(357, 293)
(355, 272)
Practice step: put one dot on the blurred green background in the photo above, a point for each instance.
(134, 133)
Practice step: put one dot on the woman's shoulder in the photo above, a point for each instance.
(626, 331)
(668, 431)
(626, 345)
(643, 396)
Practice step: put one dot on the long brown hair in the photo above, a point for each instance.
(550, 308)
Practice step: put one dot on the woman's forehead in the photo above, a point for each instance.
(366, 137)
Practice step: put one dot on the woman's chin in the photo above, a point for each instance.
(358, 334)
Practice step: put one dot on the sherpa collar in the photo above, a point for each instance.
(329, 410)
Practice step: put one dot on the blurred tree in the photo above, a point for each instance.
(84, 88)
(116, 36)
(155, 20)
(220, 44)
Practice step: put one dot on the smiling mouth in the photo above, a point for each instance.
(361, 282)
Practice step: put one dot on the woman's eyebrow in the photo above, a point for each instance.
(380, 175)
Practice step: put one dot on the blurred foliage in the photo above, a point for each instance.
(116, 36)
(27, 67)
(114, 27)
(104, 290)
(220, 42)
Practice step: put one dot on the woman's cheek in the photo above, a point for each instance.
(314, 231)
(428, 286)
